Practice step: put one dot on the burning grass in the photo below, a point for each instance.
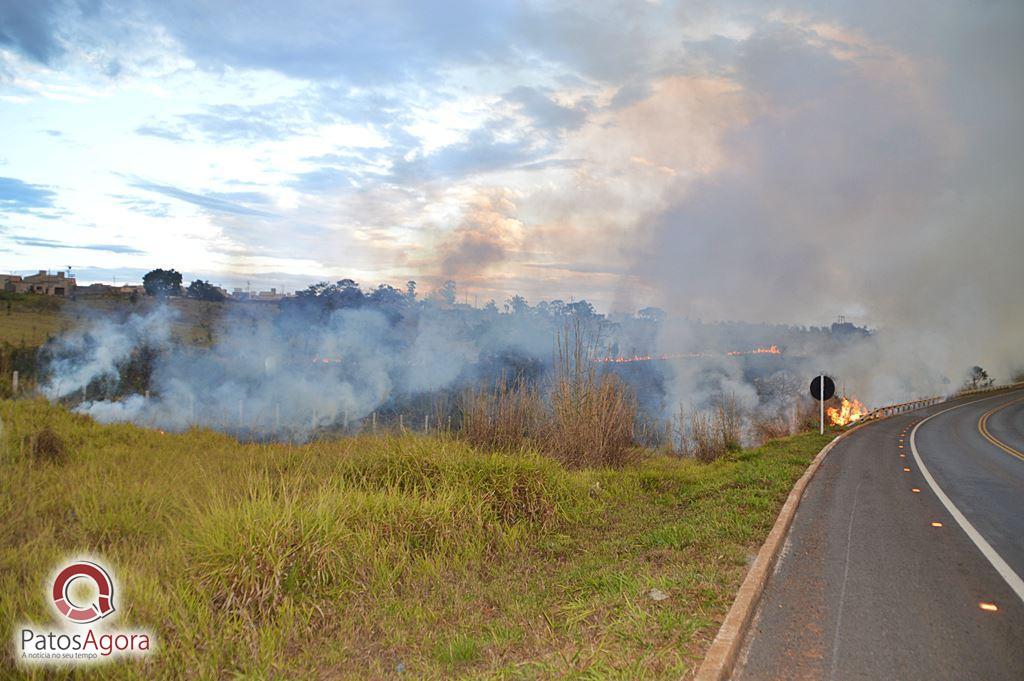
(846, 412)
(362, 556)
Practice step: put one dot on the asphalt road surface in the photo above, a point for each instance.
(869, 587)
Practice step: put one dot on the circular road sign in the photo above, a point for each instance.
(830, 388)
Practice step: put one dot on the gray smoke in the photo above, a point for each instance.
(878, 178)
(275, 374)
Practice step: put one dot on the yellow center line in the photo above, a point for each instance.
(983, 429)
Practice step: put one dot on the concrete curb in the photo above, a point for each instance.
(721, 656)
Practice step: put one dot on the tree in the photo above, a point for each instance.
(556, 308)
(162, 283)
(348, 294)
(448, 292)
(204, 290)
(385, 296)
(517, 305)
(345, 293)
(389, 300)
(581, 309)
(410, 290)
(979, 378)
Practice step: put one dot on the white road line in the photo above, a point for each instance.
(1001, 566)
(846, 577)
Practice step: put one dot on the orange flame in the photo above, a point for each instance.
(772, 350)
(847, 413)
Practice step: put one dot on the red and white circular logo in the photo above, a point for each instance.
(83, 614)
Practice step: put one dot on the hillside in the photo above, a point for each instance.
(375, 555)
(30, 320)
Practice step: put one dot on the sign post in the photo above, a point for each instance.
(822, 388)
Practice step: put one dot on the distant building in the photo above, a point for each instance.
(12, 283)
(111, 289)
(43, 283)
(271, 296)
(844, 328)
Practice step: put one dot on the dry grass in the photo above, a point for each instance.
(592, 415)
(769, 426)
(711, 434)
(586, 418)
(30, 320)
(506, 418)
(362, 556)
(728, 422)
(46, 446)
(705, 445)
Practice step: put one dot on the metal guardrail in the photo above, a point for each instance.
(889, 410)
(902, 407)
(988, 389)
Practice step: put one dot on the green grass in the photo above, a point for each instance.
(364, 556)
(30, 319)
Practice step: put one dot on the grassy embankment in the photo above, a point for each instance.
(27, 321)
(30, 320)
(364, 556)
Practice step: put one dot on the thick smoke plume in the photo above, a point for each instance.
(336, 355)
(286, 373)
(876, 174)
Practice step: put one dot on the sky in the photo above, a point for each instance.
(786, 161)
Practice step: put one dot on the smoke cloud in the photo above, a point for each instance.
(868, 181)
(284, 373)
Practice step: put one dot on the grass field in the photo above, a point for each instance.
(382, 556)
(27, 319)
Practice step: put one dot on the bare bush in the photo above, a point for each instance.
(805, 415)
(587, 420)
(650, 432)
(682, 441)
(706, 446)
(48, 446)
(769, 425)
(592, 415)
(505, 417)
(728, 423)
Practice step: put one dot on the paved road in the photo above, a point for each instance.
(868, 588)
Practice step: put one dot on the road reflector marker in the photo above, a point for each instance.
(906, 470)
(936, 524)
(991, 607)
(915, 490)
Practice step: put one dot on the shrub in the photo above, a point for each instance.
(505, 418)
(46, 445)
(728, 423)
(592, 415)
(705, 446)
(587, 420)
(769, 426)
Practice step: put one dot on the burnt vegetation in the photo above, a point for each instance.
(338, 358)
